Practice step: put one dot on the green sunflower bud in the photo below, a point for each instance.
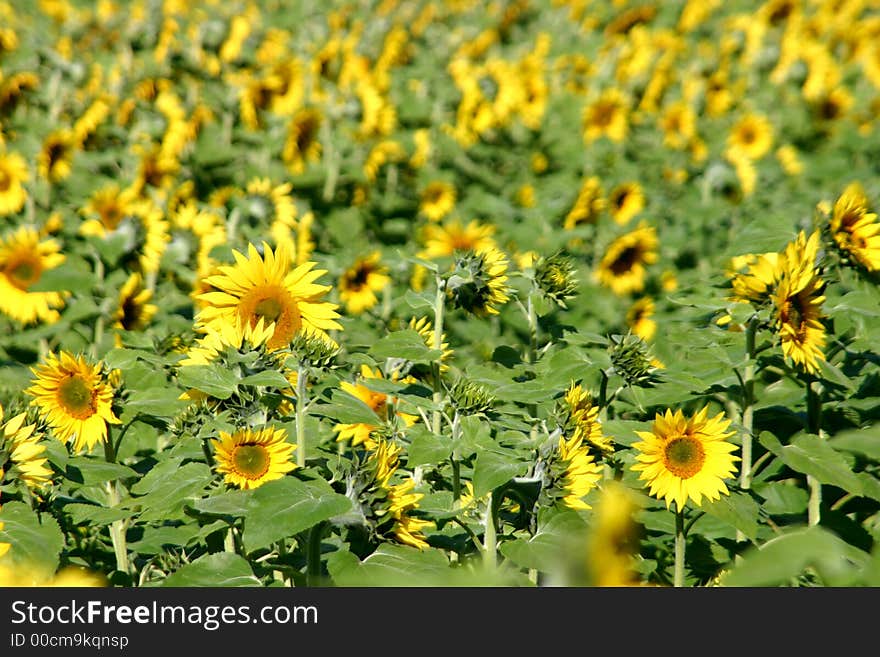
(554, 276)
(631, 358)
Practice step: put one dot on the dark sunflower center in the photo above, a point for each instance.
(55, 153)
(24, 273)
(77, 397)
(357, 278)
(269, 308)
(829, 109)
(251, 461)
(620, 199)
(793, 312)
(111, 215)
(131, 312)
(5, 181)
(305, 135)
(748, 135)
(603, 115)
(684, 457)
(626, 260)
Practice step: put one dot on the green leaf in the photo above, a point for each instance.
(551, 545)
(833, 374)
(864, 441)
(288, 506)
(347, 409)
(781, 498)
(427, 448)
(220, 569)
(738, 510)
(213, 379)
(167, 493)
(814, 456)
(73, 275)
(158, 402)
(231, 503)
(390, 565)
(407, 344)
(157, 540)
(89, 471)
(94, 514)
(492, 469)
(35, 541)
(783, 558)
(266, 379)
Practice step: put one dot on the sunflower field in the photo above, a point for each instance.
(439, 293)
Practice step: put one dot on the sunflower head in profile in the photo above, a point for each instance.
(686, 457)
(797, 303)
(478, 282)
(248, 458)
(753, 277)
(359, 283)
(437, 199)
(589, 204)
(23, 260)
(571, 472)
(578, 417)
(856, 232)
(23, 455)
(13, 173)
(623, 267)
(267, 287)
(75, 397)
(134, 311)
(555, 277)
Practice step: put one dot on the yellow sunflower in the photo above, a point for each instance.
(625, 201)
(686, 457)
(589, 203)
(13, 172)
(751, 136)
(437, 200)
(855, 230)
(55, 159)
(75, 398)
(478, 282)
(622, 268)
(424, 328)
(359, 283)
(265, 204)
(607, 116)
(407, 530)
(753, 276)
(142, 223)
(361, 433)
(25, 451)
(267, 287)
(580, 419)
(106, 208)
(445, 240)
(134, 311)
(679, 125)
(638, 318)
(23, 260)
(581, 472)
(301, 145)
(250, 457)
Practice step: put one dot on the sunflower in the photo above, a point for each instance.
(143, 227)
(437, 200)
(75, 397)
(25, 451)
(360, 433)
(686, 457)
(754, 276)
(580, 472)
(23, 260)
(678, 123)
(445, 240)
(625, 201)
(614, 538)
(56, 156)
(407, 530)
(589, 203)
(157, 169)
(134, 311)
(424, 328)
(266, 287)
(622, 268)
(606, 117)
(478, 282)
(383, 153)
(250, 457)
(789, 159)
(265, 204)
(13, 172)
(359, 283)
(106, 208)
(301, 145)
(638, 318)
(855, 230)
(751, 136)
(579, 419)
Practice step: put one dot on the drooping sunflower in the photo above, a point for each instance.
(751, 136)
(23, 260)
(855, 230)
(437, 200)
(359, 283)
(248, 458)
(446, 239)
(607, 116)
(301, 147)
(579, 419)
(686, 457)
(267, 287)
(25, 452)
(134, 311)
(55, 159)
(361, 433)
(622, 268)
(13, 172)
(625, 201)
(75, 397)
(580, 471)
(590, 202)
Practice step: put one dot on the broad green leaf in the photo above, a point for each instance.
(287, 506)
(833, 374)
(406, 344)
(219, 569)
(783, 558)
(231, 503)
(165, 498)
(427, 448)
(161, 402)
(157, 540)
(73, 275)
(35, 541)
(738, 510)
(812, 455)
(213, 379)
(266, 379)
(548, 549)
(492, 469)
(347, 409)
(390, 565)
(88, 471)
(781, 498)
(94, 514)
(861, 441)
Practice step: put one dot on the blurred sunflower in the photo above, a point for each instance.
(855, 230)
(141, 224)
(445, 240)
(134, 310)
(588, 205)
(639, 318)
(679, 124)
(622, 268)
(751, 136)
(266, 287)
(437, 200)
(75, 397)
(359, 283)
(686, 457)
(248, 458)
(607, 116)
(625, 201)
(13, 172)
(301, 146)
(108, 206)
(23, 260)
(266, 204)
(55, 159)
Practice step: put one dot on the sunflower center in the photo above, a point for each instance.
(251, 461)
(272, 303)
(748, 136)
(5, 181)
(305, 135)
(603, 115)
(357, 279)
(269, 309)
(111, 215)
(23, 273)
(625, 261)
(793, 313)
(684, 457)
(77, 397)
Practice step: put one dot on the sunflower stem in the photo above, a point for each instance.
(814, 426)
(532, 316)
(490, 536)
(117, 528)
(454, 458)
(313, 555)
(439, 301)
(680, 544)
(603, 395)
(301, 380)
